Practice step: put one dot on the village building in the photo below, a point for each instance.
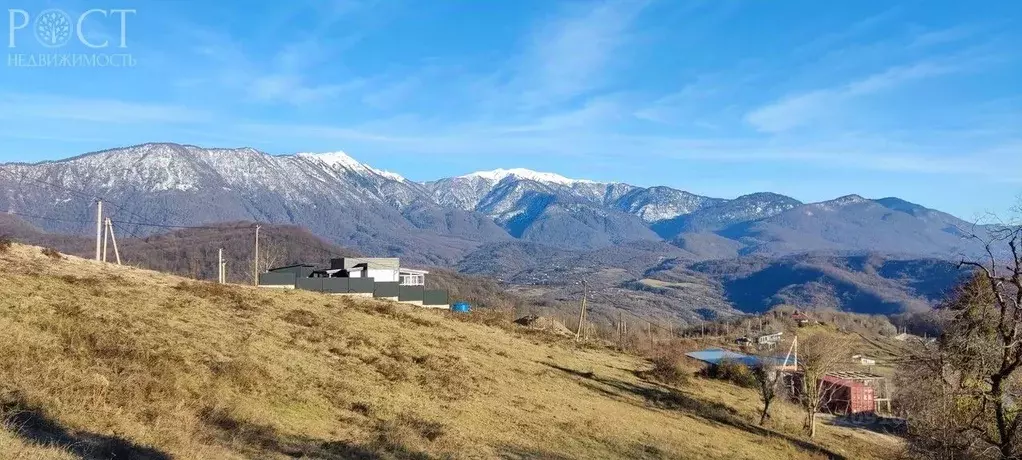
(378, 277)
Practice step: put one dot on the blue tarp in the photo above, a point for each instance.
(715, 355)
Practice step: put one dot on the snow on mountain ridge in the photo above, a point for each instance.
(500, 174)
(333, 159)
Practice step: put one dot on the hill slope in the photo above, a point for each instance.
(118, 361)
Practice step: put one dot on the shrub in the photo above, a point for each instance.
(668, 369)
(732, 371)
(52, 253)
(5, 243)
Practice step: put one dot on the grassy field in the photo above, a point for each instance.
(105, 361)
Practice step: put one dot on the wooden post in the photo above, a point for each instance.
(113, 239)
(582, 311)
(649, 330)
(255, 270)
(621, 330)
(99, 226)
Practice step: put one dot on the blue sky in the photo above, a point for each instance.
(921, 100)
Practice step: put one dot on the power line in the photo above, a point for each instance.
(147, 224)
(119, 207)
(32, 216)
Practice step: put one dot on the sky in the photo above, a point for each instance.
(920, 99)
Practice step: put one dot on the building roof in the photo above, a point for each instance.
(412, 271)
(293, 266)
(715, 355)
(855, 375)
(374, 263)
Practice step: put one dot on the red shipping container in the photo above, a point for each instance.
(844, 396)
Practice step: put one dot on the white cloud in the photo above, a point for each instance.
(570, 55)
(55, 107)
(802, 109)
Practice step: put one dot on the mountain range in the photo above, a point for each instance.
(525, 227)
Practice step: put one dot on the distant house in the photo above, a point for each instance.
(384, 270)
(769, 339)
(801, 318)
(379, 277)
(864, 360)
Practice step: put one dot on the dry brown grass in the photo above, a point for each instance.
(198, 370)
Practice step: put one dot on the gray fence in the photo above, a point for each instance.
(387, 289)
(410, 293)
(435, 297)
(361, 285)
(289, 277)
(277, 279)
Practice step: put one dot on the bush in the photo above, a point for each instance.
(733, 372)
(668, 369)
(5, 243)
(52, 253)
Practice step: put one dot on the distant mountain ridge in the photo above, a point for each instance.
(461, 220)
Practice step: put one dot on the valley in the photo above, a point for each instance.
(541, 233)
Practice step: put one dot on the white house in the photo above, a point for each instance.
(864, 360)
(380, 269)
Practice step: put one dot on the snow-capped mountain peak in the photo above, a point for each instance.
(388, 174)
(498, 175)
(337, 158)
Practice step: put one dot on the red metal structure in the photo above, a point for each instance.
(848, 396)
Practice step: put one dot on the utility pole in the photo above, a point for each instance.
(582, 312)
(113, 239)
(106, 236)
(99, 226)
(220, 266)
(255, 272)
(621, 330)
(649, 331)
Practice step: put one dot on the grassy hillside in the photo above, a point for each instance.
(101, 360)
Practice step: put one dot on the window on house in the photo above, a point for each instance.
(413, 280)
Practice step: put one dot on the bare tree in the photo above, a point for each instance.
(992, 346)
(765, 373)
(819, 355)
(271, 255)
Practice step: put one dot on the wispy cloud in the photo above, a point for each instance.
(800, 109)
(571, 54)
(58, 107)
